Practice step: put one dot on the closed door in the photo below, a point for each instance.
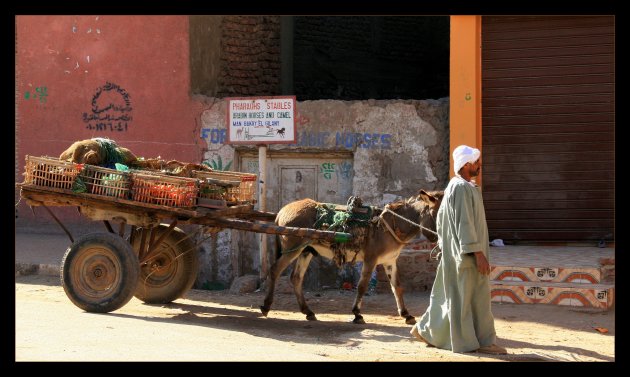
(297, 182)
(321, 177)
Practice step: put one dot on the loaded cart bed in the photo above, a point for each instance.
(155, 261)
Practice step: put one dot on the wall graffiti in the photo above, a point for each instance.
(323, 139)
(327, 169)
(312, 139)
(111, 109)
(214, 135)
(41, 92)
(369, 140)
(345, 170)
(347, 140)
(301, 120)
(217, 164)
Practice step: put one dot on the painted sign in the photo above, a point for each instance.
(261, 120)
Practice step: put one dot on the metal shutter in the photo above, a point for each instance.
(548, 120)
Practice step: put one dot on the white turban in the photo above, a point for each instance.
(464, 154)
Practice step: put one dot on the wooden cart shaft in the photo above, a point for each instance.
(98, 207)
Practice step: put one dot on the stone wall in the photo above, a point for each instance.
(398, 147)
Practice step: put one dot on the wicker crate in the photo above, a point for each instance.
(239, 187)
(107, 182)
(214, 190)
(50, 172)
(164, 190)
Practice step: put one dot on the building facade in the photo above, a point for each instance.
(156, 85)
(376, 117)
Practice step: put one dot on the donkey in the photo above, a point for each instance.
(390, 229)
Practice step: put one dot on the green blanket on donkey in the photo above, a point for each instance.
(354, 220)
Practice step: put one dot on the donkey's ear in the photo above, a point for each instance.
(431, 200)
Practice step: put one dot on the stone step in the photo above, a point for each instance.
(600, 296)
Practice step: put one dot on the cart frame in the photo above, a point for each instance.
(102, 271)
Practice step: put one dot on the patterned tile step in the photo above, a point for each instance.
(547, 274)
(525, 292)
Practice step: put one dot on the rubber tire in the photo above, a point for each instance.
(100, 272)
(179, 276)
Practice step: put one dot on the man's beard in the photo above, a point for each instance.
(474, 172)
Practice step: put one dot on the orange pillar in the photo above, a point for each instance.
(465, 84)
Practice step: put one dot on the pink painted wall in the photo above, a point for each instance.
(72, 58)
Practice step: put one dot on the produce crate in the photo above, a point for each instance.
(233, 187)
(50, 172)
(164, 190)
(104, 181)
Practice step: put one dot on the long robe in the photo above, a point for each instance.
(459, 315)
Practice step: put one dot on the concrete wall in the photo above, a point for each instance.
(69, 68)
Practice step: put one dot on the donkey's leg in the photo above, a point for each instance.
(366, 274)
(297, 278)
(394, 280)
(280, 265)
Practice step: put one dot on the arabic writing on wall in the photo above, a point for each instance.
(342, 170)
(111, 109)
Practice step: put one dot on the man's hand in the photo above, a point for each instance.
(482, 263)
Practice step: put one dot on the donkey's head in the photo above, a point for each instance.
(427, 204)
(413, 215)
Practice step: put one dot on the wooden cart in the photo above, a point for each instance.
(156, 261)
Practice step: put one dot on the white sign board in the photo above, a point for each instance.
(261, 120)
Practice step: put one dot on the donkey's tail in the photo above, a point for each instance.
(278, 247)
(304, 245)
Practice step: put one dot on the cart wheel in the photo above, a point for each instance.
(99, 272)
(171, 272)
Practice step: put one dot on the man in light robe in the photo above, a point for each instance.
(459, 316)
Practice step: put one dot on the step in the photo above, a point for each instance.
(600, 296)
(584, 265)
(557, 275)
(585, 275)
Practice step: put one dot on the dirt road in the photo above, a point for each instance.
(214, 325)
